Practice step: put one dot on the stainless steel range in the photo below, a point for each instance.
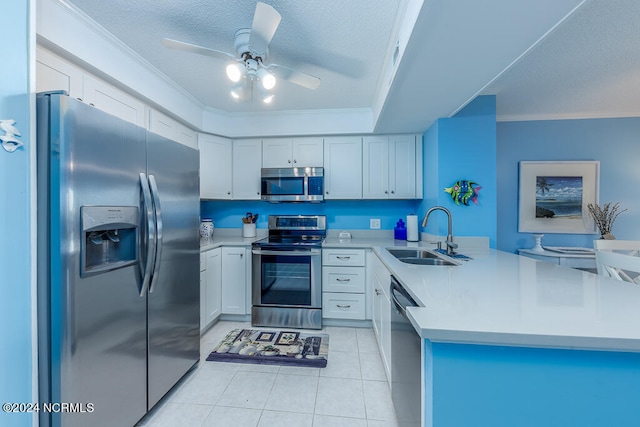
(287, 273)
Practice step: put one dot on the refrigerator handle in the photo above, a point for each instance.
(146, 264)
(159, 228)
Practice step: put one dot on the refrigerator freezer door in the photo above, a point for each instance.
(174, 295)
(95, 339)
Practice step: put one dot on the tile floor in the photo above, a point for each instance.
(351, 391)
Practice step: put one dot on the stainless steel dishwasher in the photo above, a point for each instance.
(405, 359)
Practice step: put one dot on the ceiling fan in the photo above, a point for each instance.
(249, 65)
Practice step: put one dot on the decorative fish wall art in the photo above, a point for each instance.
(464, 191)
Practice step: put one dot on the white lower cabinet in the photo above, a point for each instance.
(343, 284)
(381, 317)
(234, 280)
(210, 286)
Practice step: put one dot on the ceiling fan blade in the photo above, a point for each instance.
(297, 77)
(188, 47)
(265, 23)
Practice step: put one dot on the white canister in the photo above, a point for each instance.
(413, 234)
(249, 230)
(206, 228)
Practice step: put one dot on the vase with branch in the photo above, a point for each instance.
(604, 216)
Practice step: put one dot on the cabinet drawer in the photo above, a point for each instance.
(343, 306)
(350, 257)
(203, 261)
(343, 279)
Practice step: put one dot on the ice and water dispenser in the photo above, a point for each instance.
(109, 238)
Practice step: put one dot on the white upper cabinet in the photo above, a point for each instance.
(308, 152)
(343, 167)
(169, 128)
(215, 167)
(54, 73)
(389, 167)
(114, 101)
(292, 152)
(247, 158)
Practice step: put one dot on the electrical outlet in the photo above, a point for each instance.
(374, 223)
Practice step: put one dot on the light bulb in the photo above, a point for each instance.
(268, 99)
(234, 72)
(267, 79)
(239, 90)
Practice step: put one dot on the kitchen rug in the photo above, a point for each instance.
(272, 347)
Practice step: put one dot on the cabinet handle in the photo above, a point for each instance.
(289, 161)
(327, 192)
(228, 192)
(386, 192)
(295, 161)
(343, 280)
(343, 258)
(393, 192)
(343, 306)
(377, 291)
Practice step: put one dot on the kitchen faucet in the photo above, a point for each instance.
(449, 241)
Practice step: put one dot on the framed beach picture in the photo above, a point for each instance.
(553, 196)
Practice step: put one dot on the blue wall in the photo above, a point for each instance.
(463, 148)
(341, 214)
(15, 234)
(614, 142)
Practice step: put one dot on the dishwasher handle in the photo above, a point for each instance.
(396, 288)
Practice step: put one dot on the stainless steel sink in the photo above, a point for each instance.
(419, 257)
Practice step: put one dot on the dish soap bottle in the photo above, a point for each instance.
(400, 231)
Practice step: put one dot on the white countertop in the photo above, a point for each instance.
(505, 299)
(499, 298)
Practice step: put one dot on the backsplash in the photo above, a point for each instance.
(344, 214)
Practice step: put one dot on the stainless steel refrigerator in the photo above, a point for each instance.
(118, 273)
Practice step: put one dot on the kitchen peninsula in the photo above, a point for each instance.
(510, 341)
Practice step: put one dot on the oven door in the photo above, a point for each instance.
(287, 278)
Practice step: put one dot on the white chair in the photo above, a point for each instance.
(618, 266)
(628, 247)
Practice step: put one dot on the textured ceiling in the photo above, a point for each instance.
(344, 43)
(588, 67)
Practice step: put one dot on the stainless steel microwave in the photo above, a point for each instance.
(292, 184)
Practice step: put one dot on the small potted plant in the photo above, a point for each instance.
(604, 217)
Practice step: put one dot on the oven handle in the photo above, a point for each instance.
(312, 252)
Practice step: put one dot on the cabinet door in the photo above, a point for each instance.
(114, 101)
(385, 332)
(213, 300)
(276, 153)
(375, 167)
(402, 166)
(203, 297)
(215, 167)
(247, 159)
(308, 152)
(53, 73)
(186, 136)
(343, 167)
(234, 280)
(162, 124)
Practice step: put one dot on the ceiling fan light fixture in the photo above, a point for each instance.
(267, 79)
(267, 96)
(234, 71)
(239, 90)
